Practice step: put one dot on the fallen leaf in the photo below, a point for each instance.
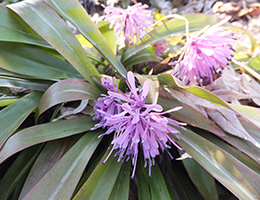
(225, 118)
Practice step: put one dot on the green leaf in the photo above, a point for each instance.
(156, 182)
(44, 132)
(242, 150)
(6, 101)
(77, 15)
(234, 175)
(171, 27)
(17, 170)
(146, 55)
(121, 187)
(170, 81)
(61, 180)
(142, 185)
(34, 61)
(47, 23)
(255, 63)
(16, 113)
(52, 152)
(67, 90)
(13, 29)
(108, 34)
(12, 82)
(204, 182)
(101, 182)
(178, 183)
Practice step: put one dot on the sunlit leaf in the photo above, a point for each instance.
(108, 34)
(77, 15)
(83, 41)
(251, 113)
(6, 101)
(255, 63)
(234, 175)
(170, 81)
(47, 23)
(235, 146)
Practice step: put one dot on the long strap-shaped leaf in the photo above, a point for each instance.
(76, 14)
(101, 182)
(17, 171)
(13, 29)
(47, 23)
(61, 180)
(233, 174)
(12, 116)
(44, 132)
(66, 90)
(34, 61)
(156, 182)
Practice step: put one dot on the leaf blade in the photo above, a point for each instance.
(76, 14)
(234, 175)
(44, 132)
(16, 113)
(67, 90)
(47, 23)
(61, 180)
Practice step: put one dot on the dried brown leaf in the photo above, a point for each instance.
(232, 86)
(228, 121)
(225, 118)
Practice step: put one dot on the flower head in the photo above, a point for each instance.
(205, 55)
(133, 20)
(137, 126)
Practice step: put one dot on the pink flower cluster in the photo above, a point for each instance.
(133, 21)
(135, 125)
(205, 55)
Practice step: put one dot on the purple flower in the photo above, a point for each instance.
(137, 126)
(133, 20)
(205, 55)
(107, 104)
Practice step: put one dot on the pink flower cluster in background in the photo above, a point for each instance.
(133, 21)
